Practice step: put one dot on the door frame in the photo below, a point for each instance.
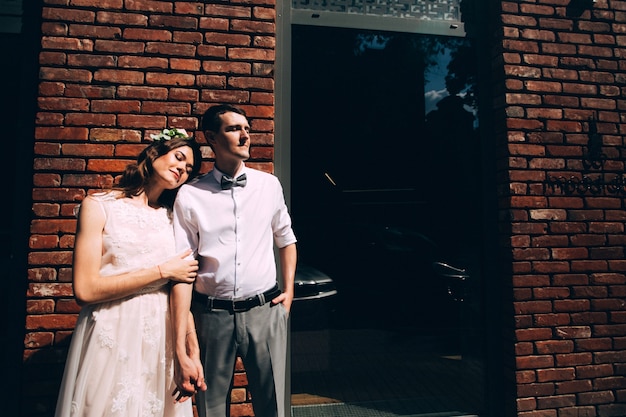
(285, 18)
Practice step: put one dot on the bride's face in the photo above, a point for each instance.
(173, 168)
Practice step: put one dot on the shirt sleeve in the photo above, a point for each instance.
(185, 230)
(281, 222)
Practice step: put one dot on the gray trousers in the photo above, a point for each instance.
(259, 336)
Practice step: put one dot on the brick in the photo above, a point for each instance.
(54, 29)
(142, 62)
(213, 51)
(116, 106)
(610, 383)
(570, 387)
(51, 88)
(608, 278)
(50, 258)
(49, 289)
(524, 404)
(38, 339)
(119, 76)
(118, 46)
(184, 94)
(107, 165)
(589, 318)
(573, 332)
(65, 14)
(87, 149)
(63, 104)
(594, 371)
(62, 337)
(170, 49)
(615, 409)
(39, 306)
(608, 304)
(142, 121)
(66, 242)
(598, 397)
(609, 330)
(50, 322)
(57, 194)
(142, 92)
(166, 108)
(570, 279)
(115, 135)
(194, 38)
(241, 410)
(174, 22)
(108, 4)
(67, 44)
(573, 359)
(551, 320)
(554, 346)
(141, 34)
(89, 91)
(531, 254)
(238, 395)
(119, 18)
(178, 64)
(261, 98)
(42, 274)
(588, 266)
(188, 8)
(43, 241)
(569, 253)
(254, 54)
(538, 413)
(535, 389)
(129, 150)
(87, 180)
(537, 10)
(556, 401)
(46, 209)
(90, 119)
(93, 31)
(67, 306)
(177, 80)
(149, 6)
(59, 164)
(46, 180)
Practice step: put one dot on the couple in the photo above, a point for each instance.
(134, 352)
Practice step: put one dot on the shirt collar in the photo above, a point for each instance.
(217, 174)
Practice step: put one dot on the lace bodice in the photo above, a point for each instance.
(134, 236)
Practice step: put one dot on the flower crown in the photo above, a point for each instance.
(168, 134)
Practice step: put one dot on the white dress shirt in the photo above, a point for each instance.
(233, 232)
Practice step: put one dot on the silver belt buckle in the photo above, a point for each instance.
(238, 310)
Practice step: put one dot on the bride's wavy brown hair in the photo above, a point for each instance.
(138, 174)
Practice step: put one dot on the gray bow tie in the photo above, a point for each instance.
(228, 182)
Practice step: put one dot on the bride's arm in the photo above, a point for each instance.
(86, 279)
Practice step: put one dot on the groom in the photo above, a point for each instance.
(231, 218)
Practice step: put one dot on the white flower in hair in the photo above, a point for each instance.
(168, 134)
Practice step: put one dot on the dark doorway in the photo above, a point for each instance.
(385, 179)
(19, 42)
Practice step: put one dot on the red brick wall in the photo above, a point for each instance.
(564, 76)
(110, 75)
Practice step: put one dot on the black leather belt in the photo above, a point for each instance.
(236, 306)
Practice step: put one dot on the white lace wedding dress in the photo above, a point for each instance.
(120, 358)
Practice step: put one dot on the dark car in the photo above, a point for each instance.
(314, 298)
(383, 276)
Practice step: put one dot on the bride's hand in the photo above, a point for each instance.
(179, 268)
